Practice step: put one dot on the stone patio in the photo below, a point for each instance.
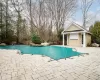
(35, 67)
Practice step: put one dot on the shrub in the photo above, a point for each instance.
(36, 39)
(59, 34)
(9, 38)
(95, 30)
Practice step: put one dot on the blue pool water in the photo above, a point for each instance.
(54, 52)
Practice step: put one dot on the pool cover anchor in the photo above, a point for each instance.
(19, 52)
(74, 49)
(51, 60)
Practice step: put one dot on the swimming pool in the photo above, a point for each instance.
(54, 52)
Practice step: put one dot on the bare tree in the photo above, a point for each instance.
(44, 17)
(1, 19)
(18, 9)
(85, 6)
(6, 18)
(29, 4)
(37, 16)
(47, 15)
(5, 21)
(60, 11)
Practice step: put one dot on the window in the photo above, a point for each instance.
(74, 36)
(82, 38)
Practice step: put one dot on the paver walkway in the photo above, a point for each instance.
(35, 67)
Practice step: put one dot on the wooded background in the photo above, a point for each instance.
(20, 19)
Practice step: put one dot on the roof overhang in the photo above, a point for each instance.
(82, 30)
(69, 32)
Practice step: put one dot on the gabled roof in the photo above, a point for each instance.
(77, 25)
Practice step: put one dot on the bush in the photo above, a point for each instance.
(59, 35)
(95, 30)
(36, 39)
(98, 40)
(9, 38)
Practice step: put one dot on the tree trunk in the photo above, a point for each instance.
(6, 19)
(18, 23)
(31, 20)
(1, 21)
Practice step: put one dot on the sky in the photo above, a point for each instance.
(94, 13)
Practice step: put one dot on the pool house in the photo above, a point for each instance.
(76, 35)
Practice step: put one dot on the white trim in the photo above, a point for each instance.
(75, 25)
(78, 26)
(84, 39)
(74, 32)
(62, 32)
(63, 40)
(67, 39)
